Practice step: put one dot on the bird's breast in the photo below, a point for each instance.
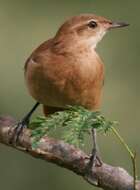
(69, 80)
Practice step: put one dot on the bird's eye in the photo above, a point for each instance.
(92, 24)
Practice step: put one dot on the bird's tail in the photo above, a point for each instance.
(50, 110)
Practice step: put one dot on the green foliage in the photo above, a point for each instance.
(75, 123)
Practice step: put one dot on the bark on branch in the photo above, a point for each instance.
(106, 176)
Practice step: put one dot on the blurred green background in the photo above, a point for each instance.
(26, 24)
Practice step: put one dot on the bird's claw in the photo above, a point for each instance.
(18, 130)
(21, 125)
(95, 159)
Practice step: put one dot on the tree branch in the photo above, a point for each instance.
(56, 151)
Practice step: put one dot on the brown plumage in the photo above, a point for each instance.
(66, 70)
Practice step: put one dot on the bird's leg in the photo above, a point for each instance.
(95, 158)
(22, 124)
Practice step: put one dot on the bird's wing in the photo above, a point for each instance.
(43, 47)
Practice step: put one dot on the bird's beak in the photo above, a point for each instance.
(118, 25)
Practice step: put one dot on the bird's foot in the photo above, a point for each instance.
(18, 130)
(22, 124)
(95, 159)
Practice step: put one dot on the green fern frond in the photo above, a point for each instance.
(76, 122)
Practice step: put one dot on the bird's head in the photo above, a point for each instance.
(87, 28)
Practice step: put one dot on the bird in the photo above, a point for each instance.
(66, 69)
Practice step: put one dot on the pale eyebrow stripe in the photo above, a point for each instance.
(83, 23)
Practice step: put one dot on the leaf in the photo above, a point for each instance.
(75, 122)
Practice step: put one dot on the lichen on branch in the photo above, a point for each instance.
(63, 154)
